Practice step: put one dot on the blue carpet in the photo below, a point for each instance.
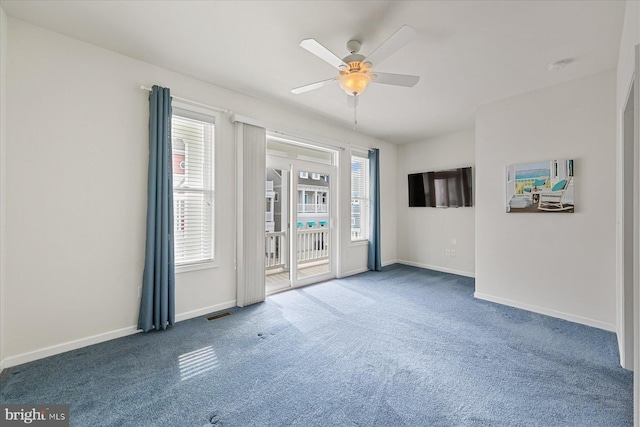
(403, 347)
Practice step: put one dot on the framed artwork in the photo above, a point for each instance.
(540, 187)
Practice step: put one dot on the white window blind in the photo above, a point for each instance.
(192, 136)
(359, 198)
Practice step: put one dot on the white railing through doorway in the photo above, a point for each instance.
(313, 208)
(274, 250)
(313, 244)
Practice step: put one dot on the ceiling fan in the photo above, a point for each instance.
(355, 70)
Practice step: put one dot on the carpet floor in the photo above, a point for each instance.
(401, 347)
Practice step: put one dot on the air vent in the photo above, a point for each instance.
(218, 316)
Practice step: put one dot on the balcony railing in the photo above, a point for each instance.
(521, 183)
(312, 208)
(313, 245)
(274, 250)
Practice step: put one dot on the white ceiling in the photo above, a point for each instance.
(466, 52)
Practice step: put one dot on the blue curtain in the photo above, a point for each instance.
(375, 259)
(157, 305)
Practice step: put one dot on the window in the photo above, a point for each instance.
(359, 198)
(192, 136)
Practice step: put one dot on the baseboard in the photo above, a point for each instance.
(623, 362)
(99, 338)
(353, 272)
(548, 312)
(206, 310)
(436, 268)
(362, 270)
(68, 346)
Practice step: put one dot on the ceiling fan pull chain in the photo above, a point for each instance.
(355, 107)
(355, 117)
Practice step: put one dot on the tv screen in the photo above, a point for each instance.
(441, 189)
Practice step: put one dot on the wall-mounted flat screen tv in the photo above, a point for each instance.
(441, 189)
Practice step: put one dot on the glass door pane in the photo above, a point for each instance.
(312, 228)
(276, 222)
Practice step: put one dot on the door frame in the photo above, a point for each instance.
(294, 166)
(283, 164)
(332, 172)
(636, 238)
(628, 231)
(627, 227)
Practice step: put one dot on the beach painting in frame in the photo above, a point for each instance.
(540, 187)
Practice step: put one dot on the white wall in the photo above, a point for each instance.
(557, 264)
(76, 190)
(630, 37)
(388, 211)
(3, 127)
(425, 233)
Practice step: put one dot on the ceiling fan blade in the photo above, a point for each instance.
(395, 79)
(312, 86)
(322, 52)
(394, 43)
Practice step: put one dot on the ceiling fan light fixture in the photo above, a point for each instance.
(354, 83)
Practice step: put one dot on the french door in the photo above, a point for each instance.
(300, 229)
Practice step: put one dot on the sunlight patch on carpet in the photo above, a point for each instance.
(197, 362)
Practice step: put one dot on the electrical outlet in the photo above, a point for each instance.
(453, 241)
(453, 252)
(447, 252)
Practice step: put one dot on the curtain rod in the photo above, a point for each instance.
(293, 137)
(222, 110)
(362, 148)
(312, 141)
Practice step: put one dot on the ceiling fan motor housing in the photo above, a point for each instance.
(353, 58)
(354, 46)
(354, 61)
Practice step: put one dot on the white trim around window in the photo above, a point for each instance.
(359, 196)
(194, 136)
